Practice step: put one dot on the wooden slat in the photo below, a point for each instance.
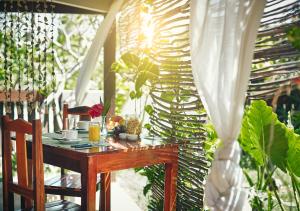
(16, 96)
(20, 126)
(81, 111)
(8, 197)
(38, 167)
(21, 159)
(170, 186)
(22, 168)
(23, 191)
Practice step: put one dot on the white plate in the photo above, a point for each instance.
(69, 141)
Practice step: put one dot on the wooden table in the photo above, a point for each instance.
(117, 156)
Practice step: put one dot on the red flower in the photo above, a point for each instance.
(296, 80)
(96, 110)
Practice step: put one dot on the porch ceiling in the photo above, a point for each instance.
(98, 6)
(67, 6)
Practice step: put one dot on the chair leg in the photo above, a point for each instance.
(99, 189)
(62, 173)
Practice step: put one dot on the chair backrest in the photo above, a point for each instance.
(30, 173)
(82, 111)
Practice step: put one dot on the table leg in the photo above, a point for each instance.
(88, 185)
(105, 191)
(171, 170)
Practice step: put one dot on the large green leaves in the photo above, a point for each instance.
(140, 68)
(264, 137)
(276, 146)
(258, 118)
(293, 157)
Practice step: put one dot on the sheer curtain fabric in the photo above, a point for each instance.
(92, 56)
(222, 38)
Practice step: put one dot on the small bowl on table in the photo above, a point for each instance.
(132, 137)
(123, 136)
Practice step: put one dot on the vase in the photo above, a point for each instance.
(103, 126)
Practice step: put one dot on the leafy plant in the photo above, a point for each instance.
(296, 121)
(272, 145)
(293, 35)
(211, 143)
(139, 69)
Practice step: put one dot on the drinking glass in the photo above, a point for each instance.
(72, 123)
(94, 131)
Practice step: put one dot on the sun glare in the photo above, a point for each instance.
(147, 29)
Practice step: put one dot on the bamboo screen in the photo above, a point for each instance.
(276, 62)
(178, 113)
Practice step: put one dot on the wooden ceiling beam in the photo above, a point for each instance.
(64, 6)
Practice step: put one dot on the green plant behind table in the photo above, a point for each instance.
(272, 146)
(138, 69)
(293, 35)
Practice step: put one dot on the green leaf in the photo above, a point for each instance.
(138, 94)
(131, 60)
(168, 96)
(132, 95)
(146, 189)
(249, 179)
(147, 126)
(276, 145)
(293, 155)
(296, 119)
(149, 67)
(149, 109)
(119, 67)
(140, 80)
(256, 139)
(293, 35)
(106, 108)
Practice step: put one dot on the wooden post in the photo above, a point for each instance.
(109, 58)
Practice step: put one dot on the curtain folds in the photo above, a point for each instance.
(92, 56)
(222, 38)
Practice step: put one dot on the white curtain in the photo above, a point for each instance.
(92, 56)
(222, 38)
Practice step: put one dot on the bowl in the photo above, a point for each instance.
(123, 136)
(132, 137)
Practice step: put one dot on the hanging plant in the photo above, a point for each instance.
(5, 41)
(46, 24)
(19, 59)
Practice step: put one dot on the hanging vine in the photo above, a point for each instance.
(19, 59)
(31, 107)
(53, 82)
(5, 55)
(28, 55)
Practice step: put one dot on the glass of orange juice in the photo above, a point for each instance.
(94, 131)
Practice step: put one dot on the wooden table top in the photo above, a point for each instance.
(107, 144)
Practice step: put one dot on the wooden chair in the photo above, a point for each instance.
(81, 111)
(69, 184)
(30, 174)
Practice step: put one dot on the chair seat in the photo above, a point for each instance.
(68, 185)
(61, 205)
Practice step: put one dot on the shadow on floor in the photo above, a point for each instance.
(120, 199)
